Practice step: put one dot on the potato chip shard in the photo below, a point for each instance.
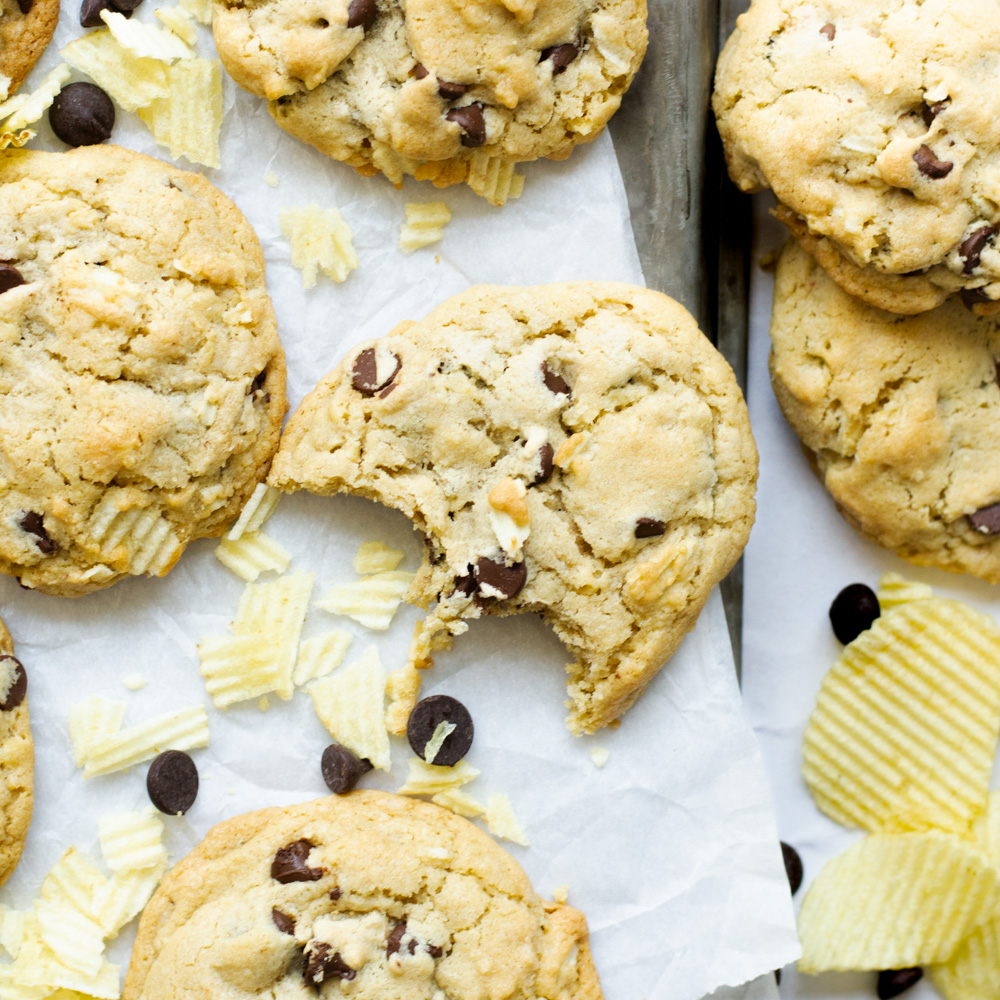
(459, 802)
(123, 896)
(239, 668)
(90, 722)
(77, 939)
(145, 40)
(132, 841)
(256, 511)
(599, 755)
(372, 601)
(252, 555)
(26, 109)
(180, 22)
(74, 880)
(319, 239)
(16, 139)
(493, 179)
(894, 589)
(973, 971)
(11, 930)
(186, 729)
(130, 81)
(376, 557)
(271, 179)
(320, 655)
(350, 704)
(906, 722)
(147, 538)
(425, 222)
(200, 10)
(501, 821)
(433, 746)
(893, 901)
(433, 779)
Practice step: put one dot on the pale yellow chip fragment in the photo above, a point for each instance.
(200, 10)
(432, 779)
(254, 553)
(459, 802)
(425, 222)
(351, 705)
(319, 238)
(433, 746)
(906, 722)
(130, 81)
(894, 589)
(75, 880)
(145, 40)
(11, 930)
(77, 939)
(320, 655)
(501, 821)
(180, 22)
(92, 721)
(493, 179)
(124, 895)
(271, 179)
(371, 601)
(134, 682)
(147, 538)
(16, 139)
(376, 557)
(26, 109)
(599, 755)
(239, 668)
(973, 971)
(132, 841)
(894, 901)
(256, 511)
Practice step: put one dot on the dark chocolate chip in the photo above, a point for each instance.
(321, 965)
(361, 14)
(830, 30)
(10, 277)
(996, 370)
(545, 456)
(435, 951)
(258, 383)
(930, 111)
(90, 11)
(973, 296)
(793, 866)
(777, 976)
(395, 940)
(892, 982)
(18, 687)
(451, 91)
(172, 782)
(82, 115)
(335, 893)
(986, 520)
(930, 166)
(365, 375)
(853, 611)
(498, 576)
(554, 382)
(25, 5)
(32, 523)
(973, 245)
(472, 123)
(465, 584)
(420, 71)
(561, 56)
(649, 527)
(289, 864)
(427, 715)
(125, 6)
(341, 769)
(283, 921)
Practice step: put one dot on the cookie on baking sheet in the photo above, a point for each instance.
(142, 383)
(900, 415)
(17, 757)
(26, 27)
(435, 89)
(368, 894)
(875, 125)
(577, 450)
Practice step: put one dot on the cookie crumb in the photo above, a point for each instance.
(599, 755)
(271, 179)
(561, 894)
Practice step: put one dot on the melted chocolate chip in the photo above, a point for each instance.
(365, 375)
(465, 584)
(793, 866)
(420, 71)
(283, 921)
(10, 277)
(395, 940)
(472, 123)
(18, 682)
(289, 864)
(853, 611)
(32, 523)
(258, 383)
(649, 527)
(973, 245)
(561, 56)
(427, 715)
(545, 456)
(504, 581)
(830, 30)
(25, 5)
(172, 782)
(930, 111)
(361, 14)
(554, 382)
(341, 769)
(82, 115)
(321, 965)
(930, 166)
(986, 520)
(892, 982)
(973, 296)
(451, 91)
(435, 951)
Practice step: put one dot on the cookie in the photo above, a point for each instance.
(142, 383)
(17, 757)
(26, 27)
(430, 89)
(368, 894)
(874, 125)
(899, 414)
(580, 451)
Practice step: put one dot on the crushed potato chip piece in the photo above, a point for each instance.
(459, 802)
(180, 22)
(350, 703)
(90, 722)
(200, 10)
(372, 601)
(599, 755)
(320, 655)
(893, 901)
(425, 222)
(132, 841)
(973, 971)
(148, 538)
(376, 557)
(271, 179)
(239, 668)
(319, 238)
(433, 746)
(130, 81)
(501, 821)
(77, 939)
(11, 930)
(16, 139)
(906, 722)
(561, 894)
(894, 590)
(26, 109)
(493, 179)
(431, 779)
(134, 682)
(252, 555)
(145, 40)
(255, 511)
(74, 880)
(124, 895)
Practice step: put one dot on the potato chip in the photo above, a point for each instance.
(254, 553)
(26, 109)
(973, 971)
(320, 655)
(319, 238)
(432, 779)
(271, 179)
(894, 590)
(493, 179)
(599, 755)
(147, 538)
(372, 601)
(458, 802)
(200, 10)
(239, 668)
(893, 901)
(987, 829)
(256, 511)
(74, 880)
(501, 821)
(132, 841)
(77, 939)
(180, 22)
(11, 930)
(376, 557)
(402, 688)
(124, 895)
(16, 139)
(145, 40)
(906, 723)
(433, 746)
(92, 720)
(130, 81)
(425, 222)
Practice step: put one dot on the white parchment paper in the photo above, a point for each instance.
(670, 850)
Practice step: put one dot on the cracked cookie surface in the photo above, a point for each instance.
(876, 125)
(26, 28)
(142, 383)
(17, 758)
(900, 415)
(368, 895)
(578, 450)
(435, 89)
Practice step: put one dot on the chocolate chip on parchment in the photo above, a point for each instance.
(172, 782)
(830, 30)
(973, 245)
(373, 372)
(361, 13)
(82, 115)
(892, 982)
(10, 277)
(497, 579)
(793, 866)
(427, 715)
(929, 112)
(322, 965)
(930, 166)
(32, 523)
(289, 864)
(283, 921)
(554, 382)
(986, 520)
(545, 458)
(649, 527)
(561, 56)
(17, 687)
(90, 11)
(342, 769)
(472, 123)
(853, 611)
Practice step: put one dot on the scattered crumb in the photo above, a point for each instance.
(501, 821)
(264, 704)
(376, 557)
(318, 239)
(599, 755)
(561, 894)
(425, 222)
(134, 682)
(271, 179)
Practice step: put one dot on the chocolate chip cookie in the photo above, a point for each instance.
(899, 414)
(142, 383)
(26, 27)
(369, 895)
(17, 757)
(578, 450)
(435, 89)
(874, 125)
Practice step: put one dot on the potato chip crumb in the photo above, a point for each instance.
(252, 554)
(256, 511)
(458, 802)
(425, 222)
(319, 239)
(376, 557)
(430, 779)
(90, 722)
(16, 139)
(402, 688)
(200, 10)
(599, 755)
(180, 22)
(264, 704)
(501, 821)
(134, 682)
(26, 109)
(561, 894)
(320, 655)
(433, 746)
(372, 601)
(271, 179)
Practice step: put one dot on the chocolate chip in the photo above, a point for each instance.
(996, 370)
(10, 277)
(545, 456)
(930, 111)
(125, 6)
(973, 296)
(321, 965)
(341, 769)
(554, 382)
(82, 115)
(777, 976)
(465, 584)
(986, 520)
(793, 866)
(335, 893)
(892, 982)
(649, 527)
(973, 246)
(90, 11)
(32, 523)
(473, 125)
(283, 921)
(451, 91)
(504, 580)
(930, 165)
(395, 940)
(830, 30)
(435, 951)
(420, 71)
(853, 611)
(427, 715)
(561, 56)
(367, 378)
(18, 686)
(361, 13)
(172, 782)
(258, 383)
(289, 864)
(25, 5)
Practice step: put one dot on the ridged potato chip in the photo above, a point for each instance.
(26, 109)
(145, 40)
(239, 668)
(252, 554)
(92, 720)
(493, 179)
(501, 821)
(372, 601)
(148, 538)
(319, 238)
(973, 971)
(132, 841)
(320, 655)
(894, 589)
(459, 802)
(180, 22)
(425, 222)
(376, 557)
(200, 10)
(433, 779)
(77, 939)
(256, 511)
(132, 82)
